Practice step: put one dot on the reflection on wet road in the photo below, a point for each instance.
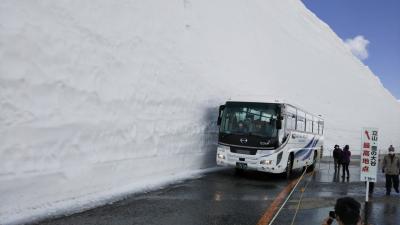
(224, 197)
(324, 187)
(221, 197)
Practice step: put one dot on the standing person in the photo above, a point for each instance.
(337, 153)
(346, 161)
(391, 167)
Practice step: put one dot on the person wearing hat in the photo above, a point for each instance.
(337, 153)
(391, 168)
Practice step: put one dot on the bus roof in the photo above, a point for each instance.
(255, 99)
(262, 99)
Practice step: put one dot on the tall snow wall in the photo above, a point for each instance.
(100, 98)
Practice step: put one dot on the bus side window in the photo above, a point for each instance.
(300, 121)
(290, 121)
(320, 127)
(308, 123)
(290, 118)
(315, 127)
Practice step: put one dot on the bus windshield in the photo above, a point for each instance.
(257, 119)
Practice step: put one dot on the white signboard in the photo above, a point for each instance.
(369, 154)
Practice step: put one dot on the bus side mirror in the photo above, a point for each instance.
(221, 110)
(279, 122)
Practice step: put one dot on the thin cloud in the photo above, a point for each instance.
(358, 46)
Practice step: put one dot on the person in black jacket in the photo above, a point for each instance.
(345, 160)
(337, 153)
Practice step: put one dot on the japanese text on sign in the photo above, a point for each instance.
(369, 154)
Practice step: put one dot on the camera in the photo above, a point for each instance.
(332, 216)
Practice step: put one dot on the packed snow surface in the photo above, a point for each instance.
(103, 98)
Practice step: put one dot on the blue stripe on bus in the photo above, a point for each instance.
(307, 150)
(304, 150)
(311, 150)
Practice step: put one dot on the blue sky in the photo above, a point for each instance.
(377, 25)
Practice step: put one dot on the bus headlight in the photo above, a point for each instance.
(220, 156)
(266, 162)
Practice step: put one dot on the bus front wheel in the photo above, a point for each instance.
(289, 166)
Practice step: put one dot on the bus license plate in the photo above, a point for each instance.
(245, 152)
(241, 165)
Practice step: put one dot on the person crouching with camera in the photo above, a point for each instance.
(347, 212)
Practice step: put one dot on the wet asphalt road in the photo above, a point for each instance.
(316, 195)
(223, 197)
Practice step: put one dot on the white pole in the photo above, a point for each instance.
(366, 192)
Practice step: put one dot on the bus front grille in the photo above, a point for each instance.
(245, 151)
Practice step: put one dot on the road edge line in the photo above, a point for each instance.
(269, 214)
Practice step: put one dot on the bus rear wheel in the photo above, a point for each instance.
(312, 166)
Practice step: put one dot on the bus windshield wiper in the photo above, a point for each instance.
(258, 135)
(229, 134)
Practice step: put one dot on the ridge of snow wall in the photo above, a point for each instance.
(99, 99)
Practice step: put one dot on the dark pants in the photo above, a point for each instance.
(337, 165)
(346, 168)
(392, 179)
(371, 187)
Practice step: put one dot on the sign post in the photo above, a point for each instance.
(369, 157)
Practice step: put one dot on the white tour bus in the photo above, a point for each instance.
(268, 136)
